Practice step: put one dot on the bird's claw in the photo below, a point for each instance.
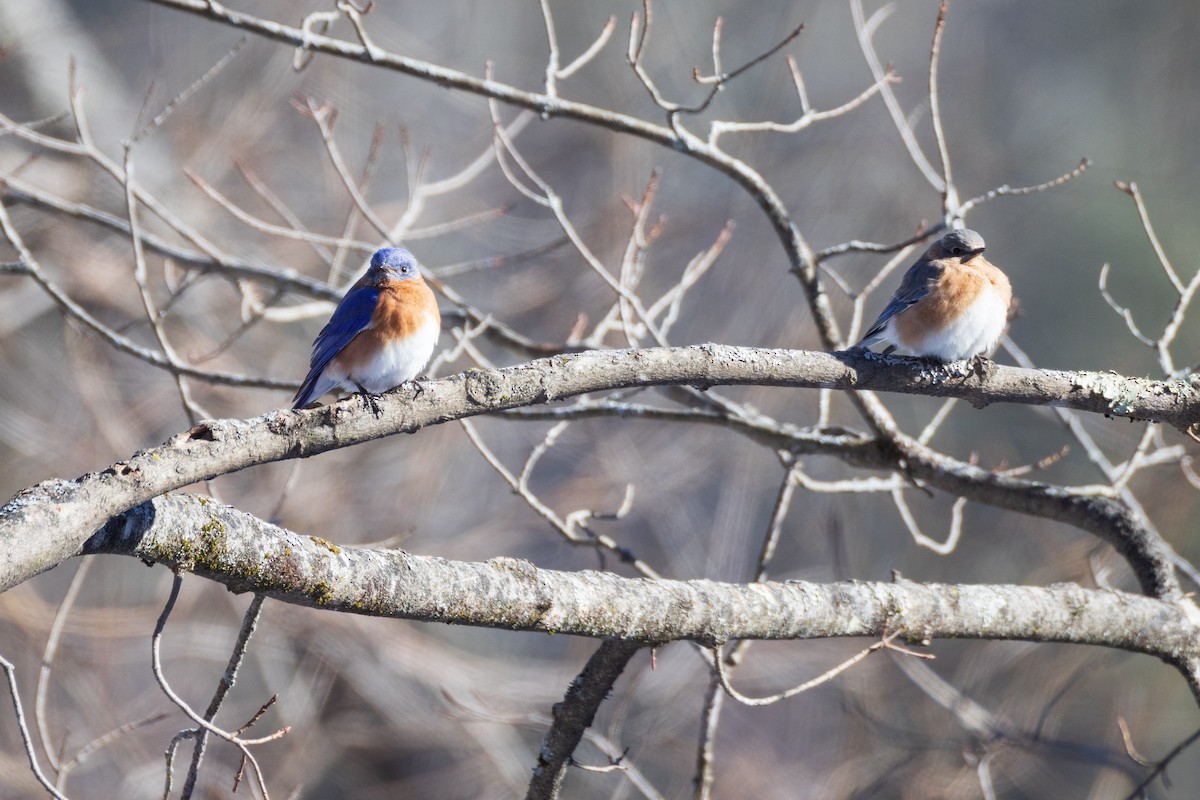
(370, 401)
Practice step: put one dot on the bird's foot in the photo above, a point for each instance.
(370, 401)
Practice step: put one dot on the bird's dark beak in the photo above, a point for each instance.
(978, 252)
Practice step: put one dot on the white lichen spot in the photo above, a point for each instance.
(1120, 392)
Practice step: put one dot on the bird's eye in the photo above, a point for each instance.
(958, 251)
(405, 269)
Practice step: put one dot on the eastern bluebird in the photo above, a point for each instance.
(951, 305)
(381, 334)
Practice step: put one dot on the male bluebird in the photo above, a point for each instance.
(381, 334)
(951, 305)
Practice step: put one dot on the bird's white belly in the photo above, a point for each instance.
(397, 363)
(974, 332)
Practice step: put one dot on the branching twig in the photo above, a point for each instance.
(807, 116)
(1184, 294)
(249, 622)
(722, 675)
(156, 665)
(1161, 767)
(568, 527)
(555, 72)
(121, 343)
(575, 714)
(865, 29)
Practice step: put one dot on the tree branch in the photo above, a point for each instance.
(47, 523)
(195, 534)
(575, 713)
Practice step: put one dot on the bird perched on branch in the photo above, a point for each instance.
(381, 334)
(951, 305)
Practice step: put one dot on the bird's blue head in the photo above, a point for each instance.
(393, 264)
(961, 244)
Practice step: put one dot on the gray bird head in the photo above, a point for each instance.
(392, 264)
(961, 244)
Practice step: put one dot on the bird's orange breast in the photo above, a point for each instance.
(403, 309)
(955, 290)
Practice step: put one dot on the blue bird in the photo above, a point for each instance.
(951, 305)
(381, 335)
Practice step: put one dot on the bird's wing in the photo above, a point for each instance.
(915, 286)
(350, 318)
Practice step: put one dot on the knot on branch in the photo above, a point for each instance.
(485, 388)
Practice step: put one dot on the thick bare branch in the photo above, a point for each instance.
(575, 713)
(193, 533)
(47, 523)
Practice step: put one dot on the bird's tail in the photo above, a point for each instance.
(313, 387)
(871, 339)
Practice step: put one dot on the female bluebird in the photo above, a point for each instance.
(381, 334)
(951, 305)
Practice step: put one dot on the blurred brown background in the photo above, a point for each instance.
(1027, 89)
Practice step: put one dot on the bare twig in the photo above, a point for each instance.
(279, 207)
(592, 51)
(910, 522)
(1131, 189)
(102, 741)
(569, 527)
(191, 408)
(11, 672)
(710, 719)
(783, 503)
(639, 35)
(1184, 294)
(575, 713)
(857, 246)
(1022, 191)
(949, 192)
(249, 622)
(554, 72)
(77, 312)
(183, 96)
(52, 640)
(274, 230)
(156, 664)
(807, 115)
(324, 115)
(1122, 311)
(865, 29)
(722, 675)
